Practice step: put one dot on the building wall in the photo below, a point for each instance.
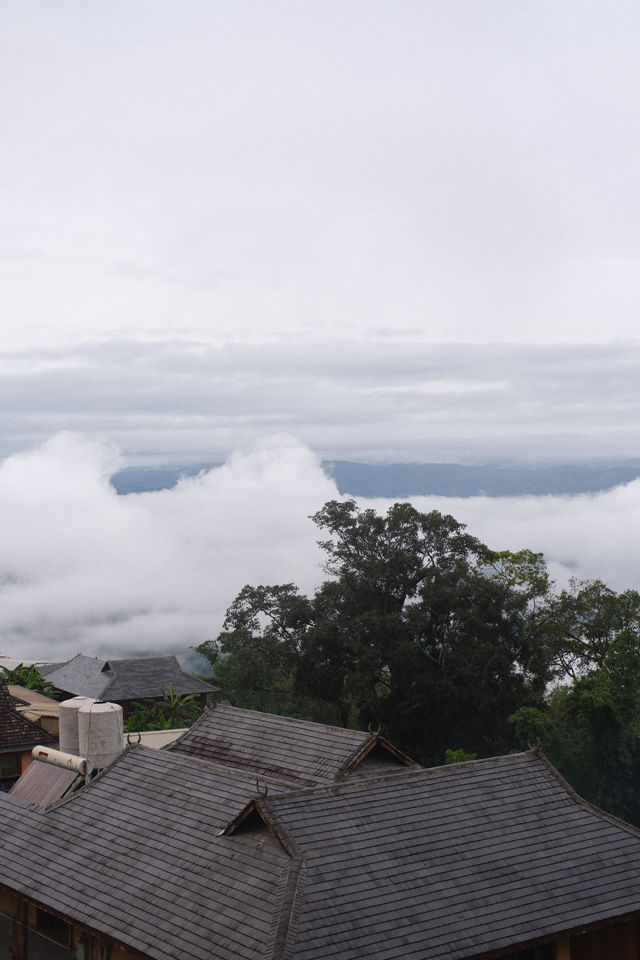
(23, 758)
(28, 932)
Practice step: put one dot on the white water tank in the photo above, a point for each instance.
(68, 714)
(100, 730)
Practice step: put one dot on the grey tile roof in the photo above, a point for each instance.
(131, 679)
(150, 677)
(297, 751)
(136, 855)
(451, 862)
(81, 676)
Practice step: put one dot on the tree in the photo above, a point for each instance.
(590, 724)
(420, 628)
(260, 643)
(584, 622)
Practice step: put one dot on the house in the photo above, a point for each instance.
(167, 856)
(124, 681)
(18, 737)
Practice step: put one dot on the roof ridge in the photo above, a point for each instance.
(286, 916)
(212, 765)
(279, 716)
(575, 796)
(396, 774)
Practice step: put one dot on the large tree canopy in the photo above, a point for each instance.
(449, 647)
(419, 629)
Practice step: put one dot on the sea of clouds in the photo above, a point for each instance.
(85, 570)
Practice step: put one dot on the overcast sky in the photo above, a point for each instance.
(221, 219)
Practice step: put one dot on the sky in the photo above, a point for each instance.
(397, 230)
(265, 234)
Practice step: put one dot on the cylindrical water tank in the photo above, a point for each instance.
(68, 714)
(100, 732)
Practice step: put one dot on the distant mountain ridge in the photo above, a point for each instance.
(391, 480)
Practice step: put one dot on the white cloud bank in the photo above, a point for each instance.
(82, 569)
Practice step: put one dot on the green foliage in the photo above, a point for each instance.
(458, 756)
(172, 711)
(30, 679)
(584, 621)
(590, 728)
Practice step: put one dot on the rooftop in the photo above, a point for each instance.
(116, 680)
(299, 752)
(450, 862)
(18, 733)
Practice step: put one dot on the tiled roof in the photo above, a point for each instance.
(451, 862)
(81, 676)
(182, 860)
(132, 679)
(17, 733)
(297, 751)
(150, 677)
(136, 855)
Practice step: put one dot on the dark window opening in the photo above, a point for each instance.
(53, 927)
(9, 766)
(544, 952)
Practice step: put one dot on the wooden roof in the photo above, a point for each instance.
(296, 751)
(17, 733)
(117, 680)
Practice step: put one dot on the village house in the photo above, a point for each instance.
(283, 843)
(126, 682)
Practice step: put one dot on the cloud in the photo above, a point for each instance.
(82, 569)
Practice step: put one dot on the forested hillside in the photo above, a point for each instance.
(445, 644)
